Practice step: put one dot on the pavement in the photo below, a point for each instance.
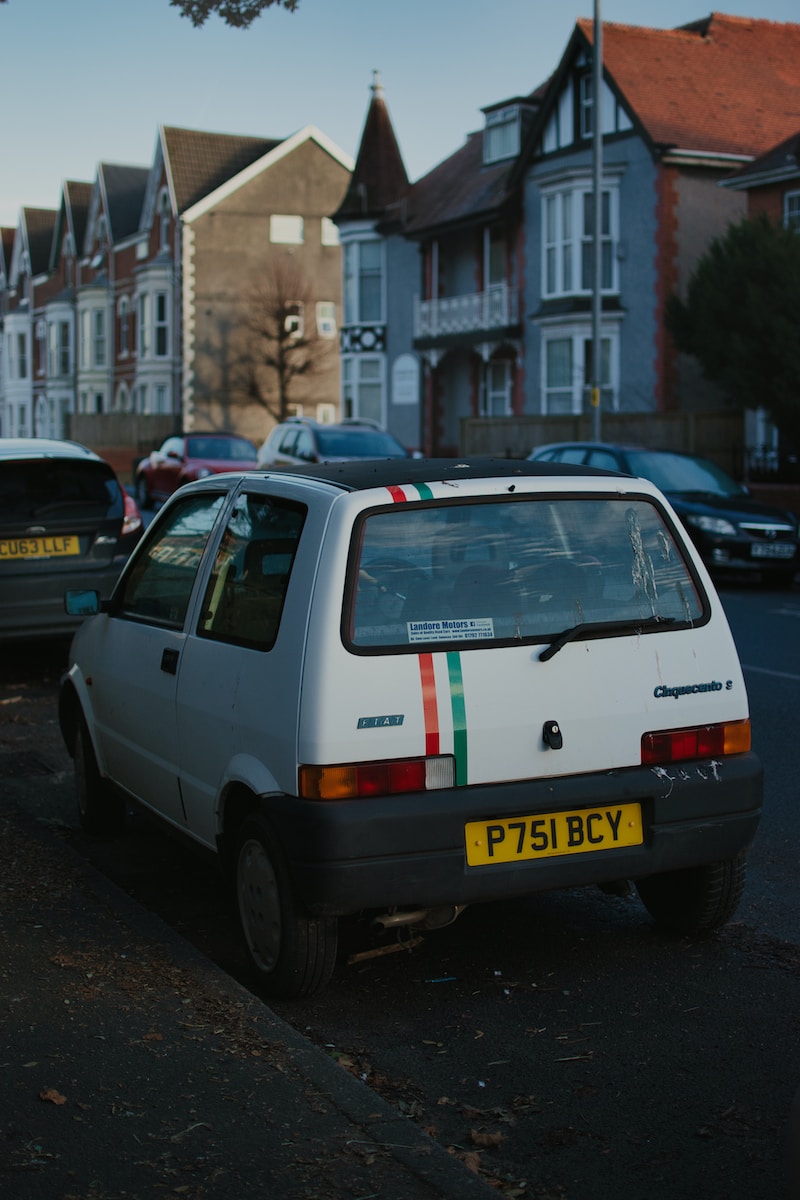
(132, 1067)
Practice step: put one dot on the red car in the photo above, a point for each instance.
(188, 456)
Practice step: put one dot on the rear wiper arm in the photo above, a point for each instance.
(575, 631)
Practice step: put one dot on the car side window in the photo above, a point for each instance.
(305, 446)
(246, 592)
(159, 585)
(603, 459)
(287, 441)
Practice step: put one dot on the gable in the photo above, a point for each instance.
(275, 155)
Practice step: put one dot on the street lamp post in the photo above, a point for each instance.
(597, 189)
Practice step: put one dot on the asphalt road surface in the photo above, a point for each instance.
(559, 1045)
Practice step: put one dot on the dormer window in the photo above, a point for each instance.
(501, 134)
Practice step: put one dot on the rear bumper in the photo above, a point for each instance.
(410, 850)
(32, 606)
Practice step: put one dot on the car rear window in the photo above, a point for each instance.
(226, 449)
(521, 569)
(48, 491)
(362, 443)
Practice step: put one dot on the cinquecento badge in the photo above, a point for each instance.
(662, 692)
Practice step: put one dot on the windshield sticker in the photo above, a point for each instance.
(471, 629)
(690, 689)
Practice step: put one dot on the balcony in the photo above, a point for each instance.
(466, 317)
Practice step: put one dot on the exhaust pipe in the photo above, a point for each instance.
(425, 918)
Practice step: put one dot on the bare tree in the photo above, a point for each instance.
(281, 344)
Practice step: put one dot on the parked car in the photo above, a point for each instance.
(302, 440)
(731, 529)
(65, 522)
(185, 457)
(398, 688)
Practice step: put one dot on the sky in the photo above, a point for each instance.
(89, 81)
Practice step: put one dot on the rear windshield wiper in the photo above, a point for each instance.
(630, 625)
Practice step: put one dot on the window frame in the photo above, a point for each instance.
(579, 337)
(357, 276)
(286, 229)
(356, 383)
(564, 238)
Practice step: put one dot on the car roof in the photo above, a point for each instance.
(360, 474)
(33, 447)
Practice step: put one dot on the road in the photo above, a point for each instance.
(559, 1045)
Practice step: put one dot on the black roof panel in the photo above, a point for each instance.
(394, 472)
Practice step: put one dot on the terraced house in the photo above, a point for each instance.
(127, 308)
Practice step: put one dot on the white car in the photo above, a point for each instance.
(404, 687)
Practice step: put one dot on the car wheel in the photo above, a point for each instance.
(696, 899)
(100, 808)
(143, 498)
(292, 954)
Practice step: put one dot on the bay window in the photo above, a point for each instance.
(363, 387)
(568, 240)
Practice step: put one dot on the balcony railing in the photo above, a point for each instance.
(478, 312)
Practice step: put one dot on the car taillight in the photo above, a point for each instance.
(132, 520)
(703, 741)
(348, 781)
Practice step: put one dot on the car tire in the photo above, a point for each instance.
(143, 497)
(292, 954)
(101, 810)
(696, 899)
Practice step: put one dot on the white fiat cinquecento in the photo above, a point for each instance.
(402, 687)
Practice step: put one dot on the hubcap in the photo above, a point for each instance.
(259, 906)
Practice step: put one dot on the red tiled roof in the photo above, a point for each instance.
(722, 85)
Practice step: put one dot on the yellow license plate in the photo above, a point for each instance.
(546, 835)
(39, 547)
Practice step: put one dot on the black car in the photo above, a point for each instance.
(65, 522)
(731, 529)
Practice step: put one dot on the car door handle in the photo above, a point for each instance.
(169, 662)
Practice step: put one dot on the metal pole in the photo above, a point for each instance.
(597, 189)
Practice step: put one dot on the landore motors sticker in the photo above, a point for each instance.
(690, 689)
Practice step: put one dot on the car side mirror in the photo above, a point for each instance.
(83, 603)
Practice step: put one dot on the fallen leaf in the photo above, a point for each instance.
(52, 1096)
(472, 1160)
(483, 1139)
